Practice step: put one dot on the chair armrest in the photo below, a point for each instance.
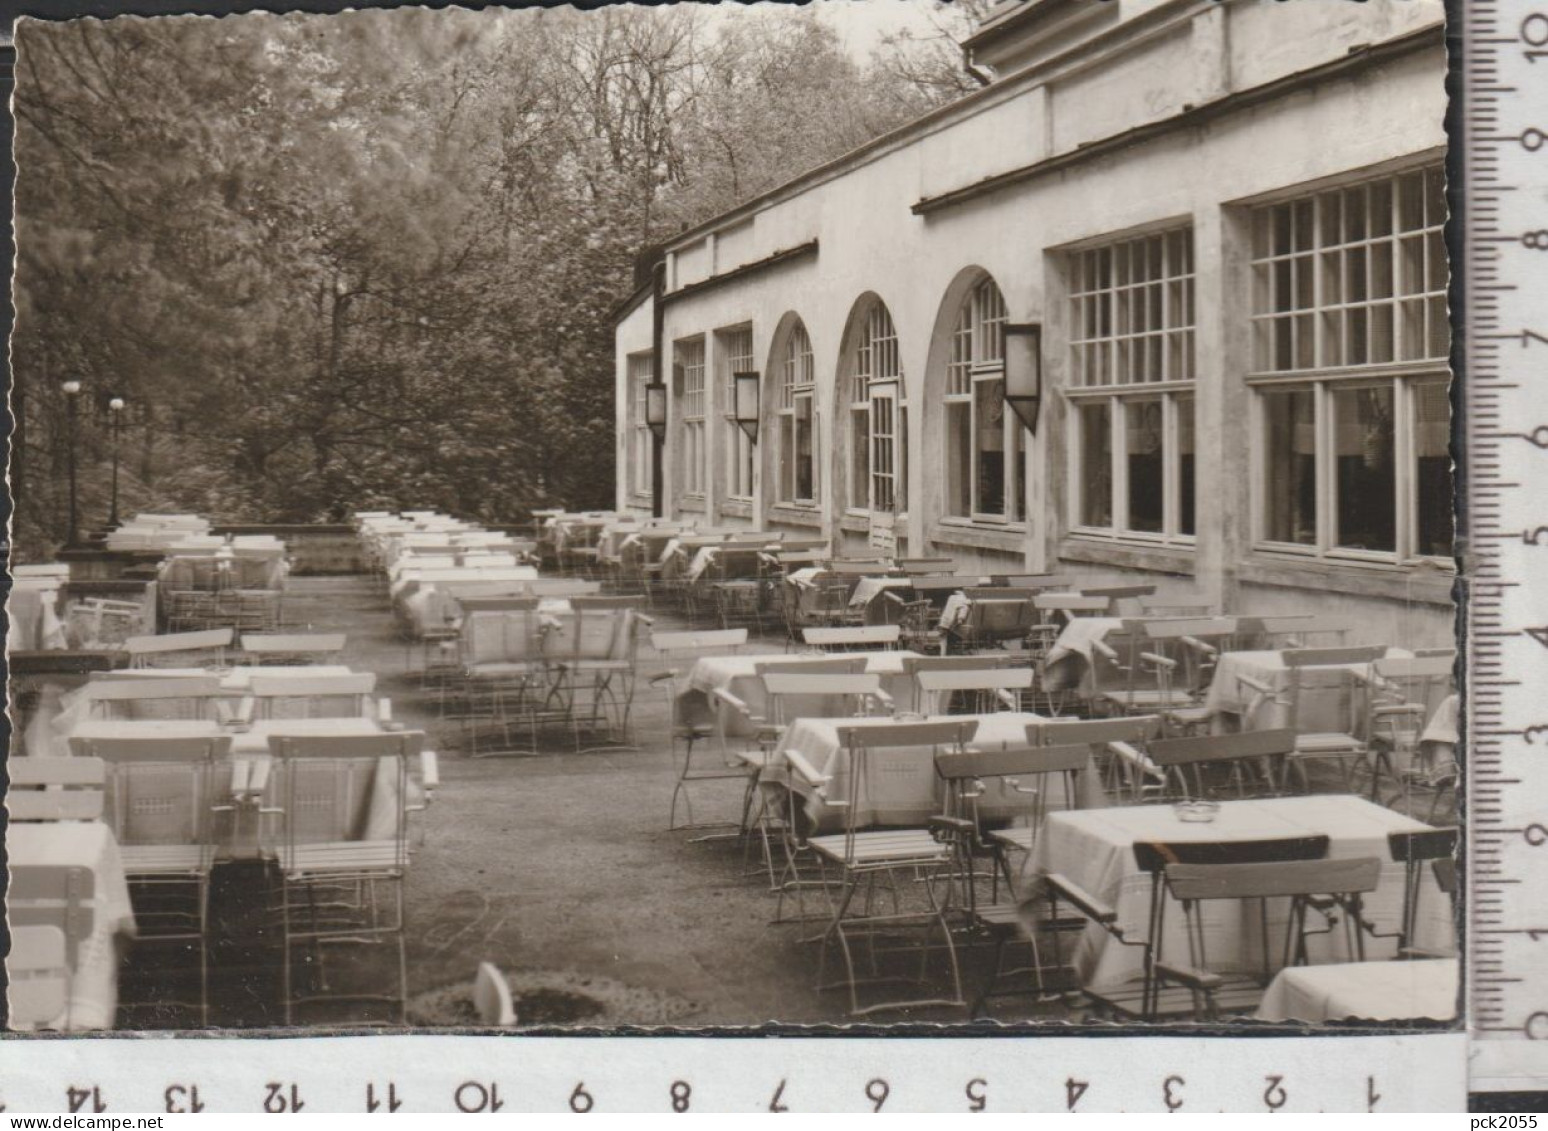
(721, 695)
(883, 698)
(1200, 647)
(642, 618)
(1415, 709)
(1008, 698)
(1135, 758)
(1190, 976)
(947, 829)
(258, 781)
(1105, 650)
(663, 677)
(1256, 684)
(1089, 905)
(1159, 660)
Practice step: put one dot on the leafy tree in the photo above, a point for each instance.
(366, 260)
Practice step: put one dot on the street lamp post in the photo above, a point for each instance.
(72, 392)
(115, 426)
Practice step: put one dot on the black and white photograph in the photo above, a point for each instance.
(873, 513)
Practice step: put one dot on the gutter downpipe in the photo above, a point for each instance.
(657, 330)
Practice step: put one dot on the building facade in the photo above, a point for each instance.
(1227, 220)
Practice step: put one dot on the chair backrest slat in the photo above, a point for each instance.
(1425, 844)
(979, 679)
(793, 683)
(1221, 747)
(300, 686)
(1277, 879)
(908, 734)
(1153, 856)
(668, 642)
(179, 641)
(1013, 761)
(1139, 729)
(38, 773)
(841, 665)
(1327, 657)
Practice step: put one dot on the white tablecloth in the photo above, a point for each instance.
(909, 794)
(1363, 991)
(1069, 660)
(867, 593)
(1095, 850)
(1227, 695)
(738, 675)
(93, 997)
(1443, 732)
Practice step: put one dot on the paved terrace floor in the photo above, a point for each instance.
(558, 869)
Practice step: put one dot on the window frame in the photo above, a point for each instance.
(877, 365)
(640, 371)
(1403, 376)
(693, 399)
(977, 358)
(1107, 306)
(740, 453)
(797, 386)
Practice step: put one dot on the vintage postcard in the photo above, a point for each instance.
(877, 513)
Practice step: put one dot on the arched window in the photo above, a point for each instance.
(733, 355)
(796, 374)
(878, 418)
(983, 441)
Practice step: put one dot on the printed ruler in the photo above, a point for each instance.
(448, 1074)
(1505, 337)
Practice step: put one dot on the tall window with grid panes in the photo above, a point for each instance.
(878, 418)
(691, 398)
(797, 419)
(733, 355)
(983, 441)
(640, 371)
(1350, 373)
(1131, 388)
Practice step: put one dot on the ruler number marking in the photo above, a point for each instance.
(877, 1091)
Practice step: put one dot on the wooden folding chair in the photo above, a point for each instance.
(56, 900)
(865, 856)
(1182, 654)
(1333, 889)
(1413, 850)
(37, 977)
(967, 775)
(339, 837)
(1403, 694)
(592, 653)
(56, 789)
(161, 795)
(1145, 1001)
(687, 731)
(1320, 681)
(1187, 763)
(504, 678)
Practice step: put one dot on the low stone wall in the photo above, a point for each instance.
(315, 549)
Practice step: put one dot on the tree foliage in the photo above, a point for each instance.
(368, 259)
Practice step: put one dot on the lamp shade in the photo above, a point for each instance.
(116, 404)
(656, 409)
(746, 387)
(1024, 371)
(70, 387)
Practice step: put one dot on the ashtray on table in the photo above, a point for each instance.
(1196, 812)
